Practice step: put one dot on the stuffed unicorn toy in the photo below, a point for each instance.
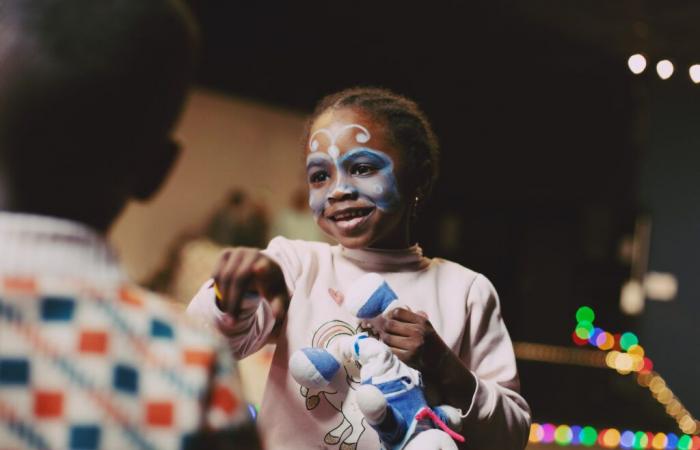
(391, 396)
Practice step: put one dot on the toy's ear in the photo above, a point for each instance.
(369, 296)
(313, 367)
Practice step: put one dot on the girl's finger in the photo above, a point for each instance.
(394, 327)
(400, 342)
(404, 315)
(241, 280)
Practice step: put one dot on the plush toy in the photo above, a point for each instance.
(391, 396)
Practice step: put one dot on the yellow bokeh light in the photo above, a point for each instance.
(611, 438)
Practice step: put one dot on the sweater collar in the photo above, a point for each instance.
(382, 260)
(39, 245)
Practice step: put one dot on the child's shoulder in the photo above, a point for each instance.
(479, 286)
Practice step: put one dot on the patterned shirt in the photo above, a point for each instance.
(90, 361)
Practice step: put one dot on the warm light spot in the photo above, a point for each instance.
(664, 396)
(659, 442)
(611, 439)
(665, 69)
(632, 298)
(656, 384)
(637, 63)
(660, 286)
(536, 433)
(695, 73)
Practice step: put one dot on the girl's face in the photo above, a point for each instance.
(354, 176)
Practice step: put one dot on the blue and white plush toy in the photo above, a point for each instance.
(391, 396)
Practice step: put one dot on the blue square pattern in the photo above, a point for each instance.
(160, 329)
(14, 371)
(57, 308)
(84, 437)
(126, 379)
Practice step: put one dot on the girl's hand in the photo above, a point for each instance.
(242, 269)
(413, 339)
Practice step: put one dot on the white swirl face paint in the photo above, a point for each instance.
(360, 172)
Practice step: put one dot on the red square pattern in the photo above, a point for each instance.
(93, 342)
(225, 399)
(159, 414)
(48, 404)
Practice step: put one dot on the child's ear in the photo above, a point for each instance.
(153, 168)
(425, 178)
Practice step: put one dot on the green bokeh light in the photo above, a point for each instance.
(588, 436)
(585, 313)
(641, 440)
(628, 340)
(685, 442)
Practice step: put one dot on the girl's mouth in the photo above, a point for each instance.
(350, 218)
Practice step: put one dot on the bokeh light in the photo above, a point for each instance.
(659, 442)
(611, 438)
(694, 72)
(585, 314)
(627, 439)
(536, 433)
(637, 63)
(588, 436)
(627, 340)
(548, 433)
(641, 440)
(563, 435)
(664, 69)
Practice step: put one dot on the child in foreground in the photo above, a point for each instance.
(371, 161)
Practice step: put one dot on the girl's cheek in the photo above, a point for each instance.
(317, 200)
(382, 190)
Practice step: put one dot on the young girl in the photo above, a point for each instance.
(371, 161)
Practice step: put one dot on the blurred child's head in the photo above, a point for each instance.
(89, 93)
(371, 162)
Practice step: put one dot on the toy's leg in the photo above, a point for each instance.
(431, 440)
(451, 416)
(388, 422)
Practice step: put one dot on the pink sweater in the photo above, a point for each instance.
(462, 305)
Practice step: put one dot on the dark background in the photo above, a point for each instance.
(551, 148)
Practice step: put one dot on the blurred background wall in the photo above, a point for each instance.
(227, 144)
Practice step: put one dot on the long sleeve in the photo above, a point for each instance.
(498, 417)
(254, 326)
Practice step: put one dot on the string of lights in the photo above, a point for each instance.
(637, 64)
(587, 436)
(626, 355)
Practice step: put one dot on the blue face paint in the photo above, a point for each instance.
(361, 172)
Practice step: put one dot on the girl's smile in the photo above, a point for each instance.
(353, 187)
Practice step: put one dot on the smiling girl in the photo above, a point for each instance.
(371, 161)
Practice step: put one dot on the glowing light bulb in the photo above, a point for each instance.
(665, 69)
(694, 72)
(637, 63)
(585, 313)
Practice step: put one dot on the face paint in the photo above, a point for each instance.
(361, 172)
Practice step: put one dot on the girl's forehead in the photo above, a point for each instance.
(341, 130)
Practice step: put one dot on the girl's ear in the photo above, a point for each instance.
(425, 180)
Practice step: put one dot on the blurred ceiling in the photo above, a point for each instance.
(666, 29)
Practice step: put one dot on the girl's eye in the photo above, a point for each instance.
(362, 169)
(318, 177)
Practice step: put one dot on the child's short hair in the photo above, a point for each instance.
(408, 126)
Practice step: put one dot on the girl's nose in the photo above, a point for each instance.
(342, 192)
